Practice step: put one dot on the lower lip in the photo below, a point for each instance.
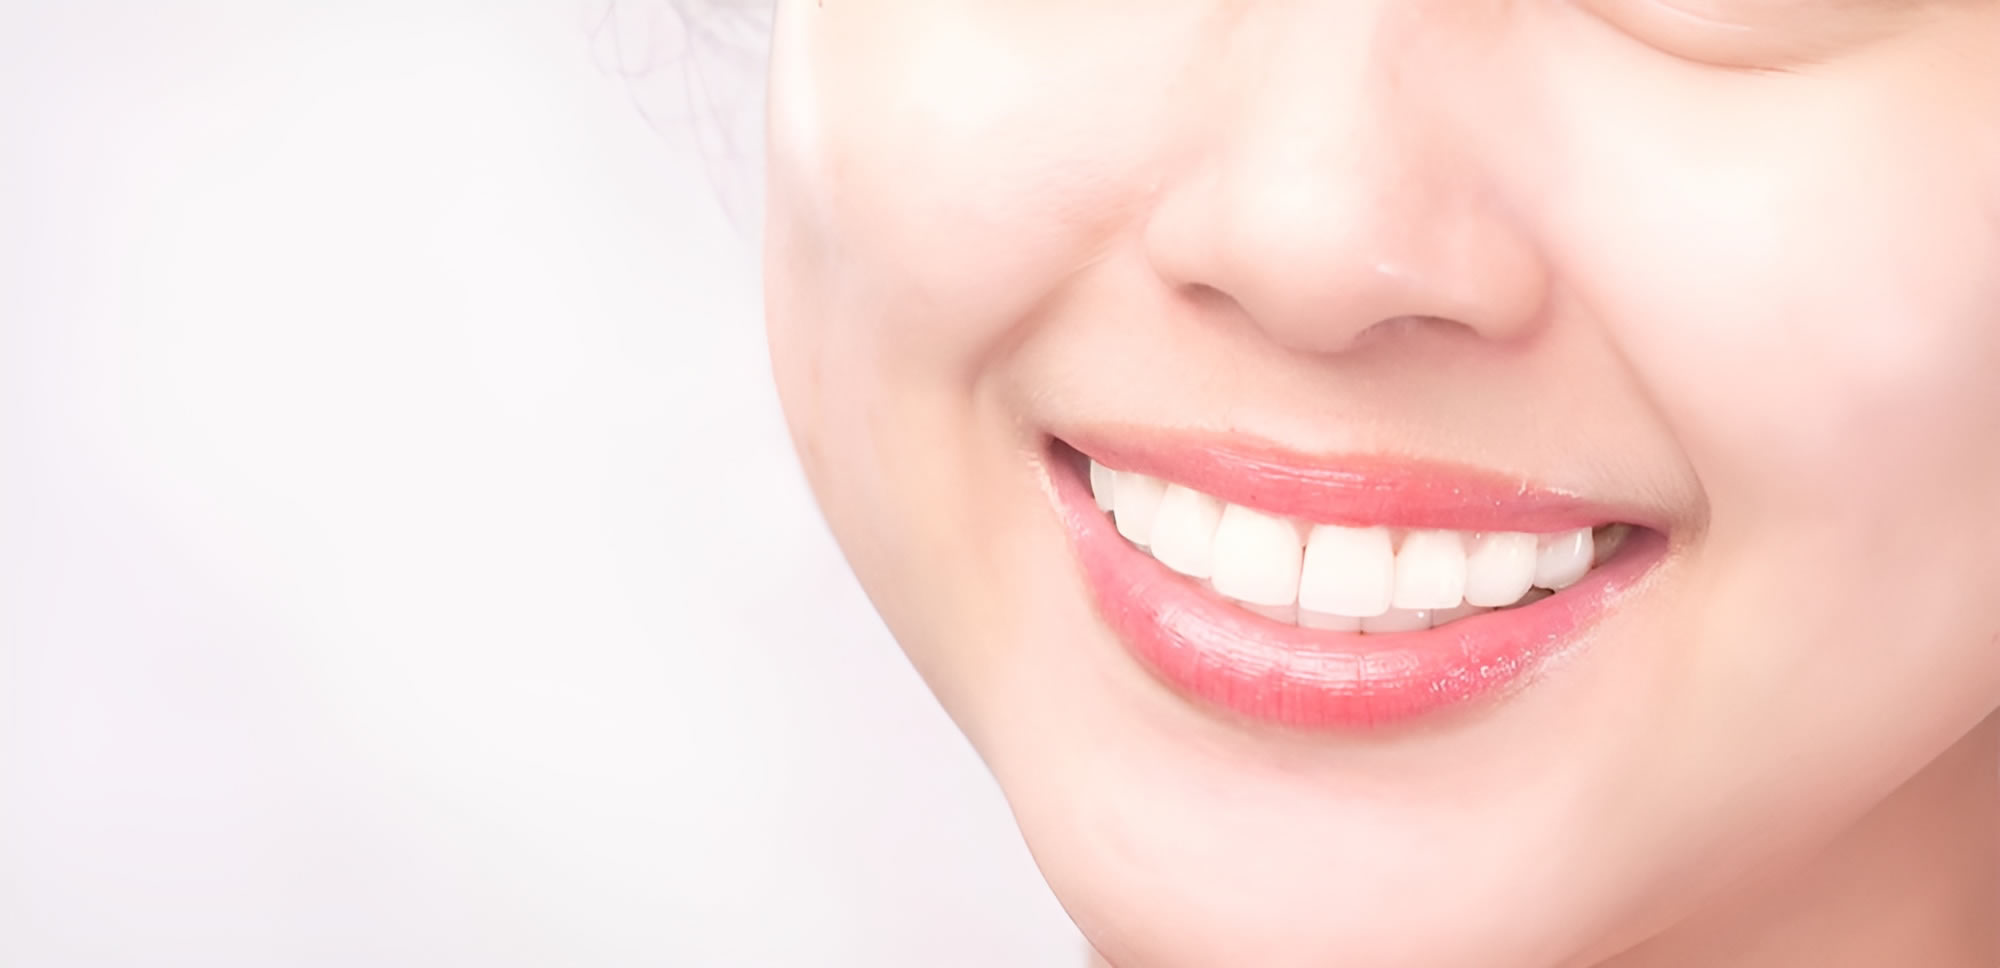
(1223, 656)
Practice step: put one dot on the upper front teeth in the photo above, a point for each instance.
(1337, 577)
(1256, 557)
(1348, 571)
(1430, 570)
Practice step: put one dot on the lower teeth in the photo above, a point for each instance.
(1400, 622)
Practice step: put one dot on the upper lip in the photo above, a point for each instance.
(1357, 489)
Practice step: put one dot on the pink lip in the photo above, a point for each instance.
(1222, 655)
(1356, 490)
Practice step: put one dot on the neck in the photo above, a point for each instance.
(1915, 882)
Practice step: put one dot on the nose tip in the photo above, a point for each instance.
(1316, 258)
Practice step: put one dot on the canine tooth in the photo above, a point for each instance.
(1256, 557)
(1102, 482)
(1430, 570)
(1136, 501)
(1348, 571)
(1397, 620)
(1184, 531)
(1563, 558)
(1499, 568)
(1327, 623)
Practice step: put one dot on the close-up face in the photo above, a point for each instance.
(1392, 482)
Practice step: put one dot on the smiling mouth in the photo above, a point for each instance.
(1367, 578)
(1335, 593)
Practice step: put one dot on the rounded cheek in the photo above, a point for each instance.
(937, 173)
(1803, 284)
(955, 167)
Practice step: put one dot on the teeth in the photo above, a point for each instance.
(1430, 571)
(1344, 579)
(1184, 531)
(1348, 571)
(1257, 557)
(1499, 568)
(1102, 480)
(1449, 615)
(1397, 620)
(1138, 501)
(1287, 614)
(1325, 622)
(1563, 558)
(1607, 542)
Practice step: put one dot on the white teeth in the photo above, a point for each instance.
(1397, 620)
(1257, 557)
(1337, 578)
(1138, 500)
(1102, 480)
(1348, 571)
(1184, 531)
(1563, 558)
(1499, 568)
(1430, 570)
(1286, 614)
(1450, 615)
(1327, 623)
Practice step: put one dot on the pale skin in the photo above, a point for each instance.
(1735, 260)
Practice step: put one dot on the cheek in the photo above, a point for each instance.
(954, 162)
(1803, 277)
(1809, 287)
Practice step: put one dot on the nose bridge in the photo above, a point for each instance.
(1335, 191)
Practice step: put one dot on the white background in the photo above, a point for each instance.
(401, 562)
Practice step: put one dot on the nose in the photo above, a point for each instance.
(1341, 186)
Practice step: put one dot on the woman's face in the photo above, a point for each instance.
(1726, 272)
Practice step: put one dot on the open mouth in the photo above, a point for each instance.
(1349, 593)
(1368, 578)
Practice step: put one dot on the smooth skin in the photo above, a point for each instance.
(1736, 262)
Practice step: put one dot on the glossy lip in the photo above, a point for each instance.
(1222, 655)
(1362, 490)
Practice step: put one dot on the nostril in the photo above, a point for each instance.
(1312, 318)
(1408, 327)
(1208, 298)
